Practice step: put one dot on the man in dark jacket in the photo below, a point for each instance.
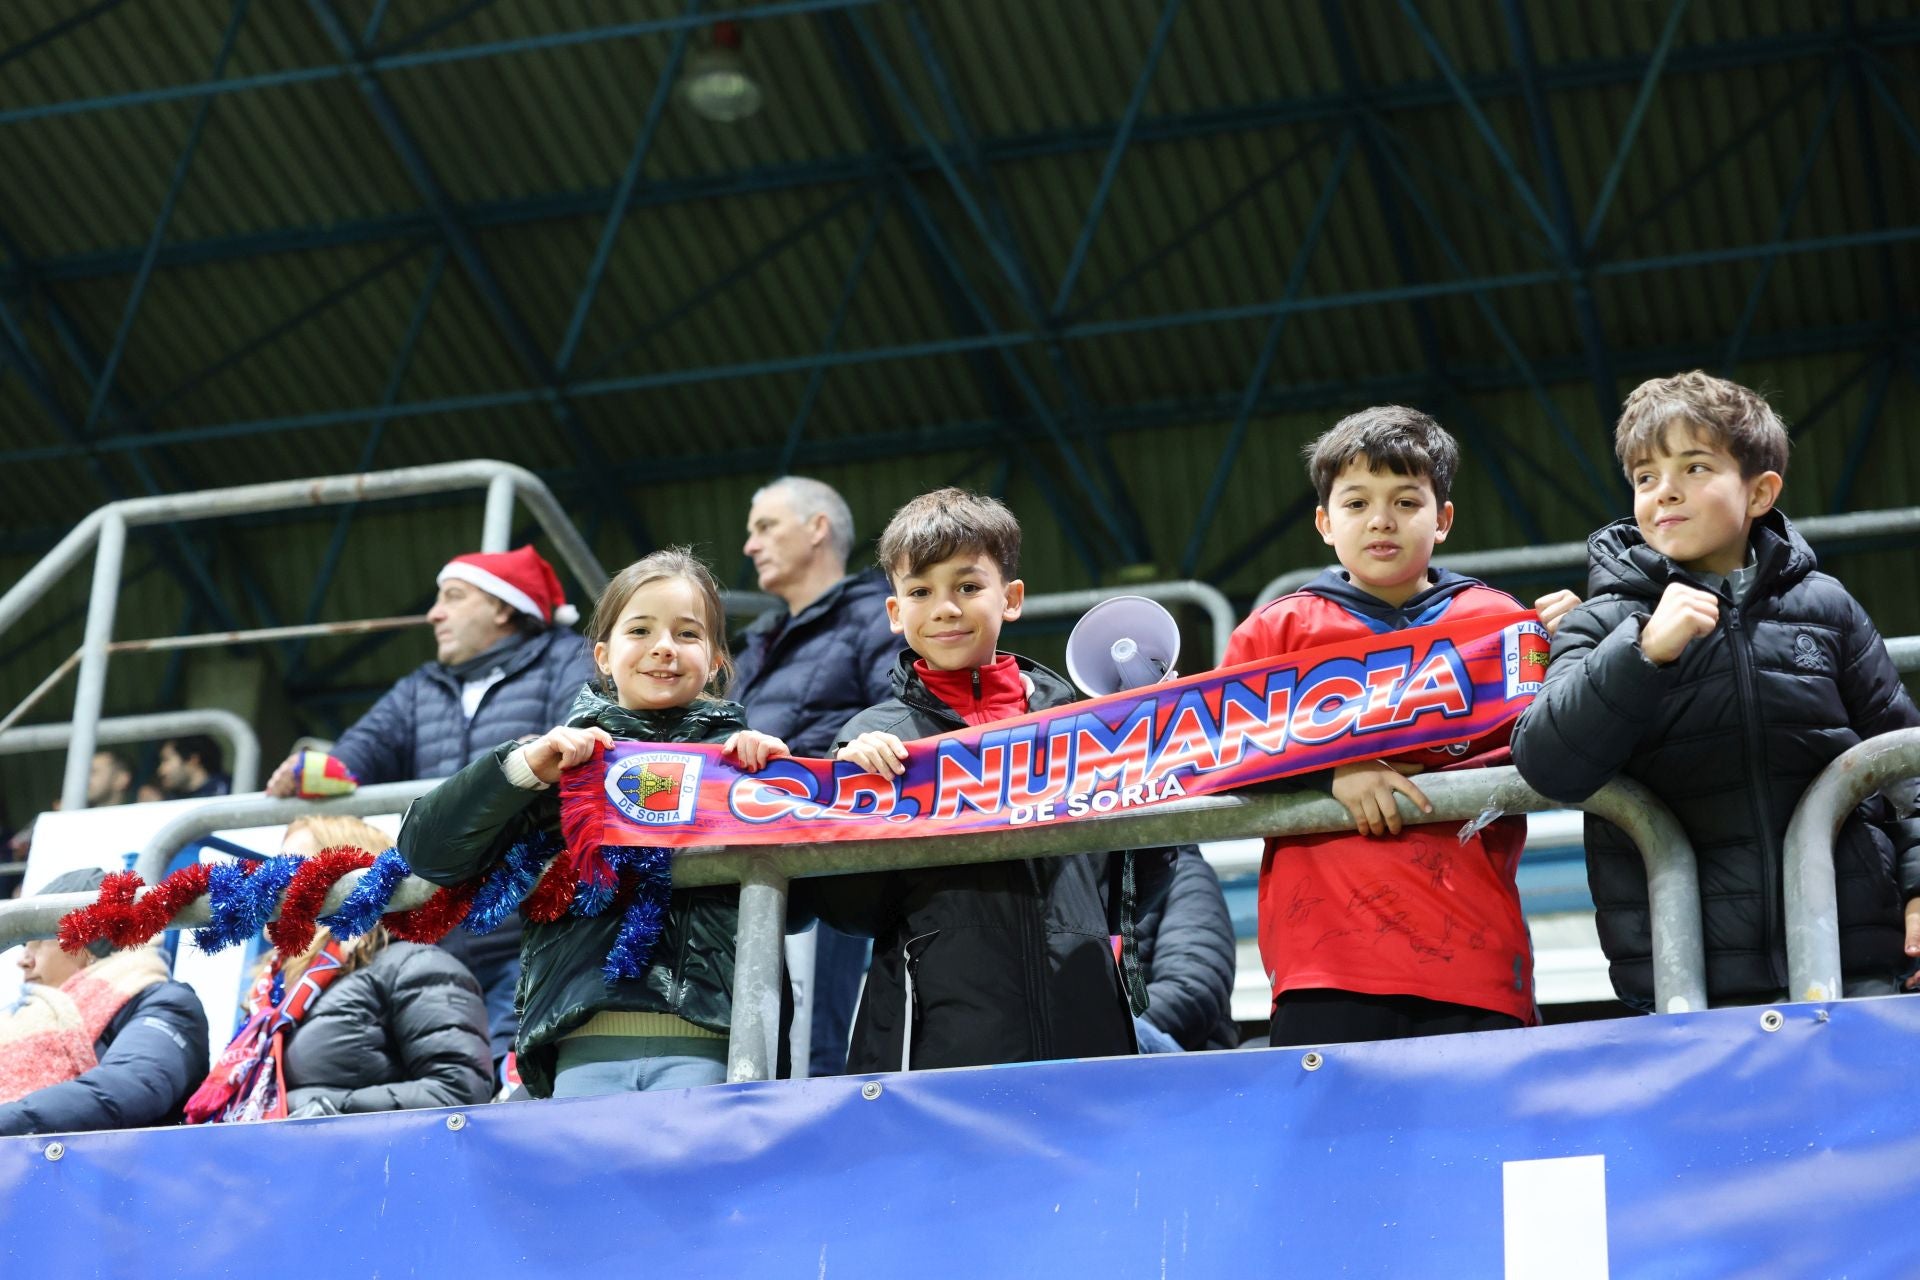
(151, 1054)
(803, 669)
(1187, 956)
(507, 664)
(1715, 664)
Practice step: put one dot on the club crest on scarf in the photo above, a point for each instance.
(656, 788)
(1525, 647)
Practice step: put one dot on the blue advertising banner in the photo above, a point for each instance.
(1689, 1145)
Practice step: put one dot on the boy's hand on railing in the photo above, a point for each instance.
(754, 749)
(1913, 942)
(562, 748)
(1554, 606)
(1366, 789)
(1683, 615)
(880, 753)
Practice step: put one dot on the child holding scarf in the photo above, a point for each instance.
(626, 984)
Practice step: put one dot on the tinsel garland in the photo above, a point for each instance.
(362, 908)
(553, 895)
(435, 918)
(646, 886)
(241, 905)
(226, 887)
(509, 883)
(125, 922)
(307, 893)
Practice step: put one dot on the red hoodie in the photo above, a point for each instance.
(1417, 914)
(978, 695)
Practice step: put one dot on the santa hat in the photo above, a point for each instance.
(520, 578)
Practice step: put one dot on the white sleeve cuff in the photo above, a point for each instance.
(519, 773)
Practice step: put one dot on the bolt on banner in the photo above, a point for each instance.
(1445, 686)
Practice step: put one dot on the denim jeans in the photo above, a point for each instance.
(593, 1065)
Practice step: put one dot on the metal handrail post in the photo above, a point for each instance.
(1812, 896)
(753, 1046)
(109, 554)
(53, 567)
(245, 743)
(233, 812)
(1673, 891)
(1219, 609)
(496, 526)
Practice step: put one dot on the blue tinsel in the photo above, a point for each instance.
(241, 903)
(640, 926)
(364, 906)
(508, 884)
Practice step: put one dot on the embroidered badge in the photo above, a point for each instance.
(1807, 654)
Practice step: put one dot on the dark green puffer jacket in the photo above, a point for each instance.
(462, 827)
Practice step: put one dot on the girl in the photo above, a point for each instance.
(366, 1025)
(659, 633)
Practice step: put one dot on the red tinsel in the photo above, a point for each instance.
(122, 920)
(307, 892)
(435, 918)
(553, 894)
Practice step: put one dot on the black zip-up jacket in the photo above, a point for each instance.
(1728, 735)
(462, 827)
(1007, 961)
(407, 1029)
(1187, 952)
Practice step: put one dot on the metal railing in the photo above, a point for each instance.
(243, 756)
(765, 872)
(1221, 618)
(1812, 896)
(1573, 555)
(105, 532)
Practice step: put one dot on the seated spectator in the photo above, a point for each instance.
(189, 768)
(109, 779)
(507, 664)
(1187, 954)
(346, 1027)
(100, 1039)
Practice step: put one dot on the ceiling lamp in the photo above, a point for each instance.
(717, 83)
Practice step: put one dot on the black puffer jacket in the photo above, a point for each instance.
(1187, 953)
(463, 826)
(152, 1055)
(801, 677)
(406, 1030)
(1728, 735)
(1009, 961)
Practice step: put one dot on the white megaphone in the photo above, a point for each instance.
(1122, 643)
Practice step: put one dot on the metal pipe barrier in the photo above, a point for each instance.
(1905, 652)
(1219, 609)
(763, 872)
(1812, 897)
(244, 743)
(1573, 555)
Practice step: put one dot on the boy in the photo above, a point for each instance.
(1389, 930)
(1001, 961)
(1714, 664)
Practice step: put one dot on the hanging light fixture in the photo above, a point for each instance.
(717, 83)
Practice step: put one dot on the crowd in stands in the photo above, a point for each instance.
(1712, 661)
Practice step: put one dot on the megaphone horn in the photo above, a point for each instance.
(1123, 642)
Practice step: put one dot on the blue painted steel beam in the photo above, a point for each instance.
(1862, 441)
(1135, 546)
(426, 31)
(1788, 207)
(1901, 119)
(474, 264)
(999, 340)
(796, 430)
(1471, 106)
(351, 69)
(370, 33)
(396, 379)
(1606, 394)
(1269, 348)
(1712, 164)
(623, 196)
(1163, 252)
(1122, 138)
(50, 34)
(1811, 417)
(137, 294)
(862, 168)
(144, 415)
(1656, 65)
